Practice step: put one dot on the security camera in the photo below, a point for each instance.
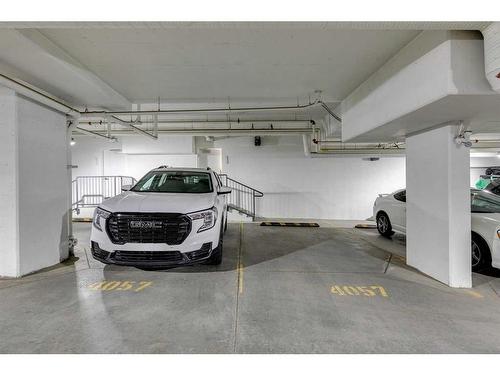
(464, 139)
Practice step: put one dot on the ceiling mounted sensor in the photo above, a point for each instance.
(257, 141)
(371, 159)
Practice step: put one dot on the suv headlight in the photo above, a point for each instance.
(99, 214)
(209, 218)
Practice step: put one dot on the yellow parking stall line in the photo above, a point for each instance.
(475, 294)
(240, 278)
(240, 263)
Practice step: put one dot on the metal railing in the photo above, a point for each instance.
(242, 197)
(90, 191)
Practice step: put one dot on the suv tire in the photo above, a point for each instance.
(480, 253)
(384, 226)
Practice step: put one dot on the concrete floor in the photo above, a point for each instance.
(272, 294)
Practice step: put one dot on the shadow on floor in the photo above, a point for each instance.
(252, 244)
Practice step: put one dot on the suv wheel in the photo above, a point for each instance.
(384, 225)
(480, 253)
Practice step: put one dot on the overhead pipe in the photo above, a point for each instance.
(306, 142)
(60, 106)
(38, 96)
(360, 151)
(94, 134)
(330, 112)
(131, 125)
(205, 110)
(325, 146)
(211, 122)
(223, 131)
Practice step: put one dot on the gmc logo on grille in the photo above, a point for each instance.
(141, 224)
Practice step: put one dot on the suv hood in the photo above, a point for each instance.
(131, 201)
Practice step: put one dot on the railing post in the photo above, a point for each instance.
(76, 193)
(253, 206)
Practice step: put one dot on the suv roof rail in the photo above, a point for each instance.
(162, 167)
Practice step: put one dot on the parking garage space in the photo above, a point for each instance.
(256, 200)
(332, 289)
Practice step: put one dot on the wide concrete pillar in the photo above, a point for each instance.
(438, 206)
(9, 242)
(34, 190)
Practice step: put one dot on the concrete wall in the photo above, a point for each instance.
(43, 188)
(296, 186)
(131, 156)
(34, 190)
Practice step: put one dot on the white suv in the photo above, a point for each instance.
(170, 217)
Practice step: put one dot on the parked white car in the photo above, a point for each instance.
(170, 217)
(389, 212)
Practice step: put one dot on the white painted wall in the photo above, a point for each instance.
(171, 145)
(296, 186)
(34, 189)
(438, 206)
(131, 155)
(340, 187)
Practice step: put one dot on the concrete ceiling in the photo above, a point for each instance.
(113, 65)
(200, 62)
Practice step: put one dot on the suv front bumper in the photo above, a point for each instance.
(151, 258)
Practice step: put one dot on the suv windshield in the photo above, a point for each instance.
(175, 182)
(485, 202)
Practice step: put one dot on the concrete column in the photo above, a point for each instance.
(34, 185)
(9, 243)
(438, 206)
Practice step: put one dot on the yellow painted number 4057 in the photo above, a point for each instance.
(352, 290)
(133, 286)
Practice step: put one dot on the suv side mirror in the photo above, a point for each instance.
(224, 190)
(126, 187)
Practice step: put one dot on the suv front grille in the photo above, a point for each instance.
(169, 228)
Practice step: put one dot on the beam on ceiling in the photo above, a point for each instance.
(34, 58)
